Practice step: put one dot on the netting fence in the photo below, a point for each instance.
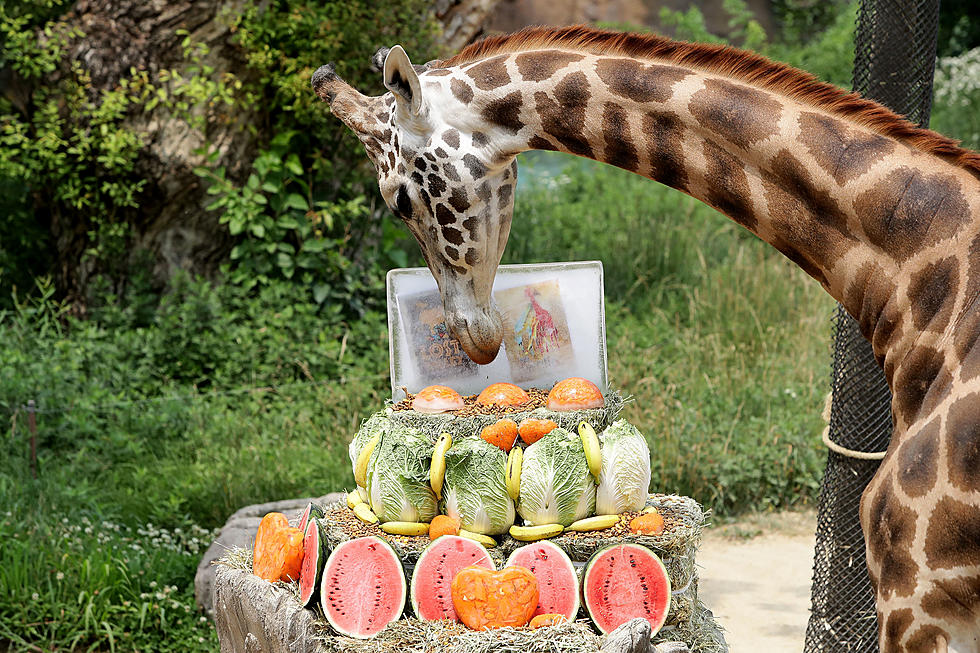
(895, 55)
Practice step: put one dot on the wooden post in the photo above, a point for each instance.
(32, 426)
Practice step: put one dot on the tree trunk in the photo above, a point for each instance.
(172, 228)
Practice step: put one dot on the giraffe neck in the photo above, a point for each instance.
(858, 211)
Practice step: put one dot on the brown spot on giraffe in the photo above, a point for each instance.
(452, 235)
(490, 73)
(458, 200)
(539, 66)
(475, 166)
(664, 132)
(480, 139)
(739, 113)
(451, 138)
(472, 225)
(461, 90)
(437, 185)
(963, 443)
(639, 82)
(449, 170)
(727, 185)
(895, 626)
(564, 117)
(958, 598)
(483, 192)
(918, 460)
(890, 531)
(870, 290)
(909, 210)
(444, 216)
(439, 72)
(921, 375)
(925, 639)
(952, 536)
(619, 149)
(932, 293)
(452, 252)
(505, 112)
(843, 153)
(472, 257)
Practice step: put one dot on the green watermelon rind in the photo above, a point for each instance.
(567, 562)
(591, 565)
(312, 510)
(321, 554)
(441, 540)
(401, 578)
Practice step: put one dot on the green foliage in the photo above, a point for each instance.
(956, 96)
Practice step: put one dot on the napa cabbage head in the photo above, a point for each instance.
(625, 477)
(475, 487)
(377, 423)
(556, 486)
(398, 477)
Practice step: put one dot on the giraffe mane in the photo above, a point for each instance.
(737, 64)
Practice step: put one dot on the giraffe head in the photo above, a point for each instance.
(440, 173)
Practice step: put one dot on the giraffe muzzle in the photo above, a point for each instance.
(479, 332)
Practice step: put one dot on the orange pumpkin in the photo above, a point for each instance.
(485, 599)
(531, 430)
(443, 525)
(503, 394)
(650, 523)
(278, 553)
(503, 434)
(548, 619)
(575, 393)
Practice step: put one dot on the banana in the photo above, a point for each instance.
(354, 498)
(485, 540)
(649, 509)
(360, 469)
(437, 468)
(597, 523)
(532, 533)
(514, 461)
(593, 454)
(365, 514)
(405, 528)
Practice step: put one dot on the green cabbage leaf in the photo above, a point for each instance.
(625, 477)
(475, 487)
(398, 477)
(556, 486)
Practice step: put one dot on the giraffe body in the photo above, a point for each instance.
(885, 216)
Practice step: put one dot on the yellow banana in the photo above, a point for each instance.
(532, 533)
(360, 469)
(593, 454)
(437, 468)
(405, 528)
(365, 514)
(514, 461)
(354, 498)
(597, 523)
(649, 509)
(485, 540)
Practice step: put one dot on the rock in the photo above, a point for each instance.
(632, 637)
(253, 616)
(669, 647)
(239, 531)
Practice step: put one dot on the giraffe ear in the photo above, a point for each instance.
(402, 80)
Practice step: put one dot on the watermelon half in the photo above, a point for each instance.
(363, 587)
(312, 510)
(315, 552)
(557, 580)
(432, 596)
(625, 581)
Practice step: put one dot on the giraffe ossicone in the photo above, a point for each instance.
(884, 215)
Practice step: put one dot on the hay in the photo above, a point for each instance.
(470, 425)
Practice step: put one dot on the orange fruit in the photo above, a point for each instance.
(575, 393)
(651, 523)
(437, 399)
(547, 619)
(503, 394)
(485, 599)
(531, 430)
(443, 525)
(503, 434)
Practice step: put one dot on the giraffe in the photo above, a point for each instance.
(884, 215)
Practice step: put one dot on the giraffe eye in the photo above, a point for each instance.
(403, 205)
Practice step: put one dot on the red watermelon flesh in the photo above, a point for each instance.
(363, 587)
(625, 581)
(557, 580)
(432, 579)
(314, 556)
(312, 510)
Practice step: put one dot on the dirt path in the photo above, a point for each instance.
(755, 577)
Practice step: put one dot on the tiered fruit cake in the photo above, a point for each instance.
(538, 497)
